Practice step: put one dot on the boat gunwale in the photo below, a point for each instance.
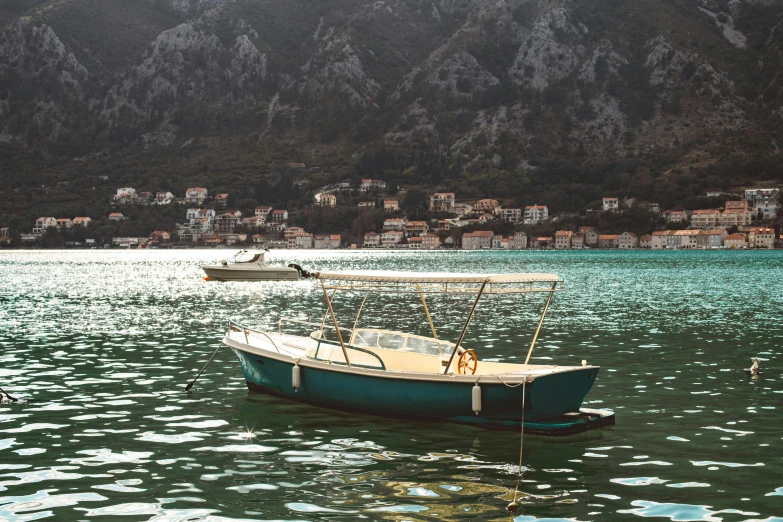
(499, 379)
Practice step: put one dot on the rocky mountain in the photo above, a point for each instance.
(646, 97)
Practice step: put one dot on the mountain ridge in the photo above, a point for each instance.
(504, 90)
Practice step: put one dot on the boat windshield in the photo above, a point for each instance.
(400, 342)
(247, 257)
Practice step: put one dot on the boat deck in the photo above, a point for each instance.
(297, 346)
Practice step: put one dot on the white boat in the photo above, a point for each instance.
(249, 266)
(397, 374)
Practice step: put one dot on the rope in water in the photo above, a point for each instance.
(3, 392)
(189, 386)
(513, 506)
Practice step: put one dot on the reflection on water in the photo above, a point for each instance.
(98, 346)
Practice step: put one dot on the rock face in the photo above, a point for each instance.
(558, 76)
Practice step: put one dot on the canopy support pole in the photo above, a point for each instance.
(336, 326)
(323, 321)
(540, 322)
(356, 321)
(465, 328)
(429, 318)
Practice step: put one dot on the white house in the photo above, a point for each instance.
(263, 213)
(611, 204)
(372, 239)
(125, 196)
(391, 238)
(764, 200)
(163, 198)
(199, 213)
(372, 184)
(536, 214)
(442, 202)
(394, 224)
(512, 215)
(327, 200)
(196, 195)
(278, 216)
(42, 223)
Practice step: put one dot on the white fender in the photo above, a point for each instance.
(296, 377)
(476, 399)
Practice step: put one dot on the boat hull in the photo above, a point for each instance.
(552, 402)
(221, 273)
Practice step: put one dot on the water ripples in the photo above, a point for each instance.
(98, 347)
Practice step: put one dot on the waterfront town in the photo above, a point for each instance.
(745, 221)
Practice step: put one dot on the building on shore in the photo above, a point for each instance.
(394, 224)
(391, 205)
(535, 214)
(608, 241)
(478, 240)
(736, 214)
(645, 241)
(628, 240)
(563, 239)
(442, 202)
(676, 216)
(591, 236)
(372, 184)
(518, 242)
(301, 240)
(327, 200)
(761, 237)
(735, 241)
(372, 240)
(485, 205)
(764, 201)
(430, 242)
(687, 238)
(326, 241)
(391, 238)
(196, 195)
(511, 215)
(415, 228)
(705, 219)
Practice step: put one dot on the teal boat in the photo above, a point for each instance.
(396, 374)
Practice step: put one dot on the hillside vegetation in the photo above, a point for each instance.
(555, 101)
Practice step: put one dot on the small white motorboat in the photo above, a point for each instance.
(249, 266)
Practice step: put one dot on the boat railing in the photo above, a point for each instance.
(348, 348)
(234, 327)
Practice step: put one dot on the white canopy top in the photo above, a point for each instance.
(386, 276)
(438, 282)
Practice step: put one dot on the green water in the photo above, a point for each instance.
(98, 346)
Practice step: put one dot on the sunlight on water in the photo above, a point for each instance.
(99, 345)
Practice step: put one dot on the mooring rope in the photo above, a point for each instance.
(3, 392)
(189, 386)
(514, 506)
(507, 385)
